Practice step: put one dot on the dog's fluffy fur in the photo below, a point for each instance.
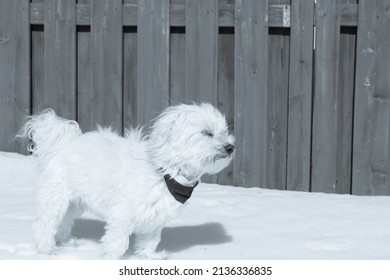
(121, 178)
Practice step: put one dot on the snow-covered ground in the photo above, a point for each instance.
(219, 222)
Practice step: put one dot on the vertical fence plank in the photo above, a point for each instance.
(277, 99)
(250, 86)
(177, 58)
(153, 58)
(37, 65)
(325, 97)
(130, 73)
(201, 54)
(84, 71)
(300, 96)
(201, 50)
(14, 70)
(371, 149)
(345, 110)
(104, 104)
(130, 78)
(59, 58)
(84, 76)
(226, 88)
(177, 66)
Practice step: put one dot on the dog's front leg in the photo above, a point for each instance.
(146, 244)
(116, 241)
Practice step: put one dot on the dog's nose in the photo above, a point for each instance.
(229, 148)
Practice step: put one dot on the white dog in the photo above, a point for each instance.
(136, 183)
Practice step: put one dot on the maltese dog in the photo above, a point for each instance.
(136, 183)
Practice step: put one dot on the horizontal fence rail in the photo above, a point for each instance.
(278, 14)
(304, 84)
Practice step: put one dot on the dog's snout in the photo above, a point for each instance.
(229, 148)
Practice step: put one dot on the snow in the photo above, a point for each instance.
(218, 222)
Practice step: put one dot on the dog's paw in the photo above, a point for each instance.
(110, 256)
(47, 247)
(74, 242)
(49, 250)
(163, 255)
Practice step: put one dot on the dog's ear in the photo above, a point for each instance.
(161, 129)
(172, 118)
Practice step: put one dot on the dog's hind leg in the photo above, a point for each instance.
(54, 202)
(75, 210)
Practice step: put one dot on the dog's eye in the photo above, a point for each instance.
(207, 133)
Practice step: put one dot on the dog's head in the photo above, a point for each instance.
(191, 140)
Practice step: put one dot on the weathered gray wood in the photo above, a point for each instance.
(14, 71)
(177, 52)
(177, 15)
(37, 62)
(226, 87)
(104, 104)
(226, 13)
(201, 51)
(201, 55)
(325, 97)
(345, 112)
(153, 59)
(84, 79)
(300, 96)
(84, 72)
(278, 14)
(371, 147)
(348, 11)
(346, 84)
(245, 71)
(130, 78)
(250, 84)
(177, 67)
(130, 68)
(59, 58)
(277, 119)
(129, 13)
(37, 67)
(83, 13)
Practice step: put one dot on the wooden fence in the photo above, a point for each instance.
(312, 119)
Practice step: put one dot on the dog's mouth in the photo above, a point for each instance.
(224, 155)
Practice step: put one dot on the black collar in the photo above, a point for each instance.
(180, 192)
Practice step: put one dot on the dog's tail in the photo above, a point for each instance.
(48, 133)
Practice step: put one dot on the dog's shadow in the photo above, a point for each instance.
(173, 239)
